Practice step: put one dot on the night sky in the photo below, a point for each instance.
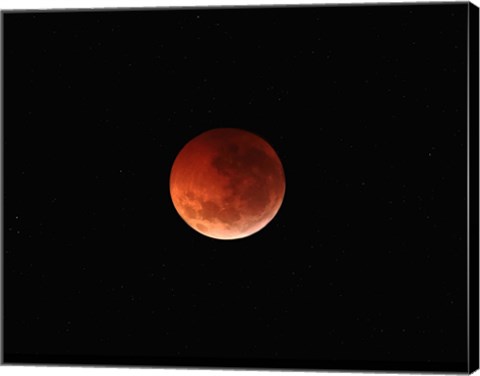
(364, 267)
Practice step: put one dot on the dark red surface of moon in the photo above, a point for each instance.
(227, 183)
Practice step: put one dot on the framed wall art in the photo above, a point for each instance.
(251, 187)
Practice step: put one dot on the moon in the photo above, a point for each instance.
(227, 183)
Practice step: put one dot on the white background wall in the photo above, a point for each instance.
(43, 4)
(104, 371)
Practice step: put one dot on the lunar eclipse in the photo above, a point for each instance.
(227, 183)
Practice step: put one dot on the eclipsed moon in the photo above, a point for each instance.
(227, 183)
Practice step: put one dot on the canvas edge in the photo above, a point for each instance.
(2, 250)
(473, 186)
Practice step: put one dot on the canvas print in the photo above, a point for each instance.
(250, 187)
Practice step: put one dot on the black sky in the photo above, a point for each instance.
(363, 267)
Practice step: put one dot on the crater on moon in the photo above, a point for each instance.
(227, 183)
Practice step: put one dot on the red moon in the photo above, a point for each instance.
(227, 183)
